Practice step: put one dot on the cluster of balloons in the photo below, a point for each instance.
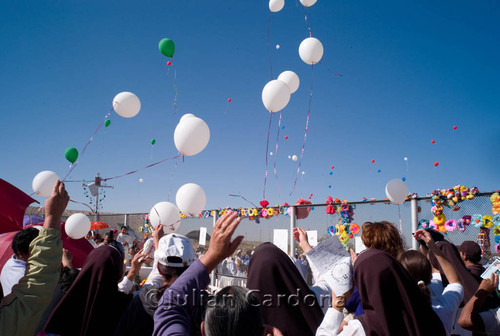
(191, 135)
(190, 199)
(276, 93)
(277, 5)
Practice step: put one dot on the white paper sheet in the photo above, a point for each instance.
(312, 237)
(359, 246)
(203, 235)
(280, 239)
(333, 263)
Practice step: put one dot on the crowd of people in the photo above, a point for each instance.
(436, 290)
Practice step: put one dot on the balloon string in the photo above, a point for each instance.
(176, 92)
(88, 143)
(307, 24)
(135, 171)
(267, 151)
(88, 206)
(268, 48)
(275, 155)
(400, 223)
(243, 198)
(172, 176)
(305, 133)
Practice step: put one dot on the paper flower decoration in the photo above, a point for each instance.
(496, 220)
(450, 225)
(487, 221)
(423, 223)
(477, 220)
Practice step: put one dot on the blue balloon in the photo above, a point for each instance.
(331, 173)
(283, 127)
(312, 208)
(378, 171)
(329, 186)
(403, 179)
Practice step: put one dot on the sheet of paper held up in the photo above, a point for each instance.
(333, 263)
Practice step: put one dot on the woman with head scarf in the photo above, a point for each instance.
(93, 305)
(392, 302)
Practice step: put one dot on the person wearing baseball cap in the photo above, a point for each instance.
(175, 253)
(470, 252)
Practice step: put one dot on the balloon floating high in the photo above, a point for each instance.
(191, 135)
(436, 164)
(329, 186)
(311, 50)
(191, 199)
(271, 153)
(167, 47)
(107, 122)
(286, 137)
(333, 167)
(141, 180)
(275, 95)
(373, 161)
(397, 191)
(295, 158)
(433, 141)
(276, 5)
(291, 79)
(406, 159)
(153, 141)
(308, 3)
(277, 46)
(44, 182)
(403, 179)
(229, 100)
(289, 156)
(126, 104)
(378, 171)
(455, 127)
(169, 63)
(71, 154)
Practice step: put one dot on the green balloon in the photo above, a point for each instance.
(71, 154)
(107, 122)
(167, 47)
(153, 141)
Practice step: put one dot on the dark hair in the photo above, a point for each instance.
(117, 245)
(474, 258)
(383, 236)
(124, 227)
(22, 240)
(234, 311)
(420, 269)
(66, 277)
(417, 265)
(436, 236)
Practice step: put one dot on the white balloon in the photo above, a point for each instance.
(303, 172)
(277, 46)
(191, 136)
(308, 3)
(166, 214)
(77, 226)
(191, 199)
(291, 79)
(275, 95)
(271, 153)
(311, 50)
(126, 104)
(397, 191)
(187, 115)
(44, 182)
(276, 5)
(141, 180)
(406, 159)
(295, 158)
(289, 156)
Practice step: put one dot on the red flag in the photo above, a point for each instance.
(13, 204)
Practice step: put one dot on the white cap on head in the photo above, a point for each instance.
(175, 250)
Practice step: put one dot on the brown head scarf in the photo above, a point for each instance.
(392, 302)
(287, 302)
(93, 305)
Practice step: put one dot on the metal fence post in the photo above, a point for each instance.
(125, 220)
(292, 226)
(414, 222)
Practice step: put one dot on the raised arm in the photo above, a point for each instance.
(470, 318)
(448, 268)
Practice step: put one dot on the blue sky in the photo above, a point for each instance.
(410, 72)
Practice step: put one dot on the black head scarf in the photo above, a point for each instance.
(392, 302)
(287, 302)
(93, 305)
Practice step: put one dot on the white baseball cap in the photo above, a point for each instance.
(175, 250)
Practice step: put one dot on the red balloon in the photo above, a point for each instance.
(436, 164)
(333, 167)
(455, 127)
(433, 141)
(229, 100)
(286, 137)
(169, 63)
(373, 161)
